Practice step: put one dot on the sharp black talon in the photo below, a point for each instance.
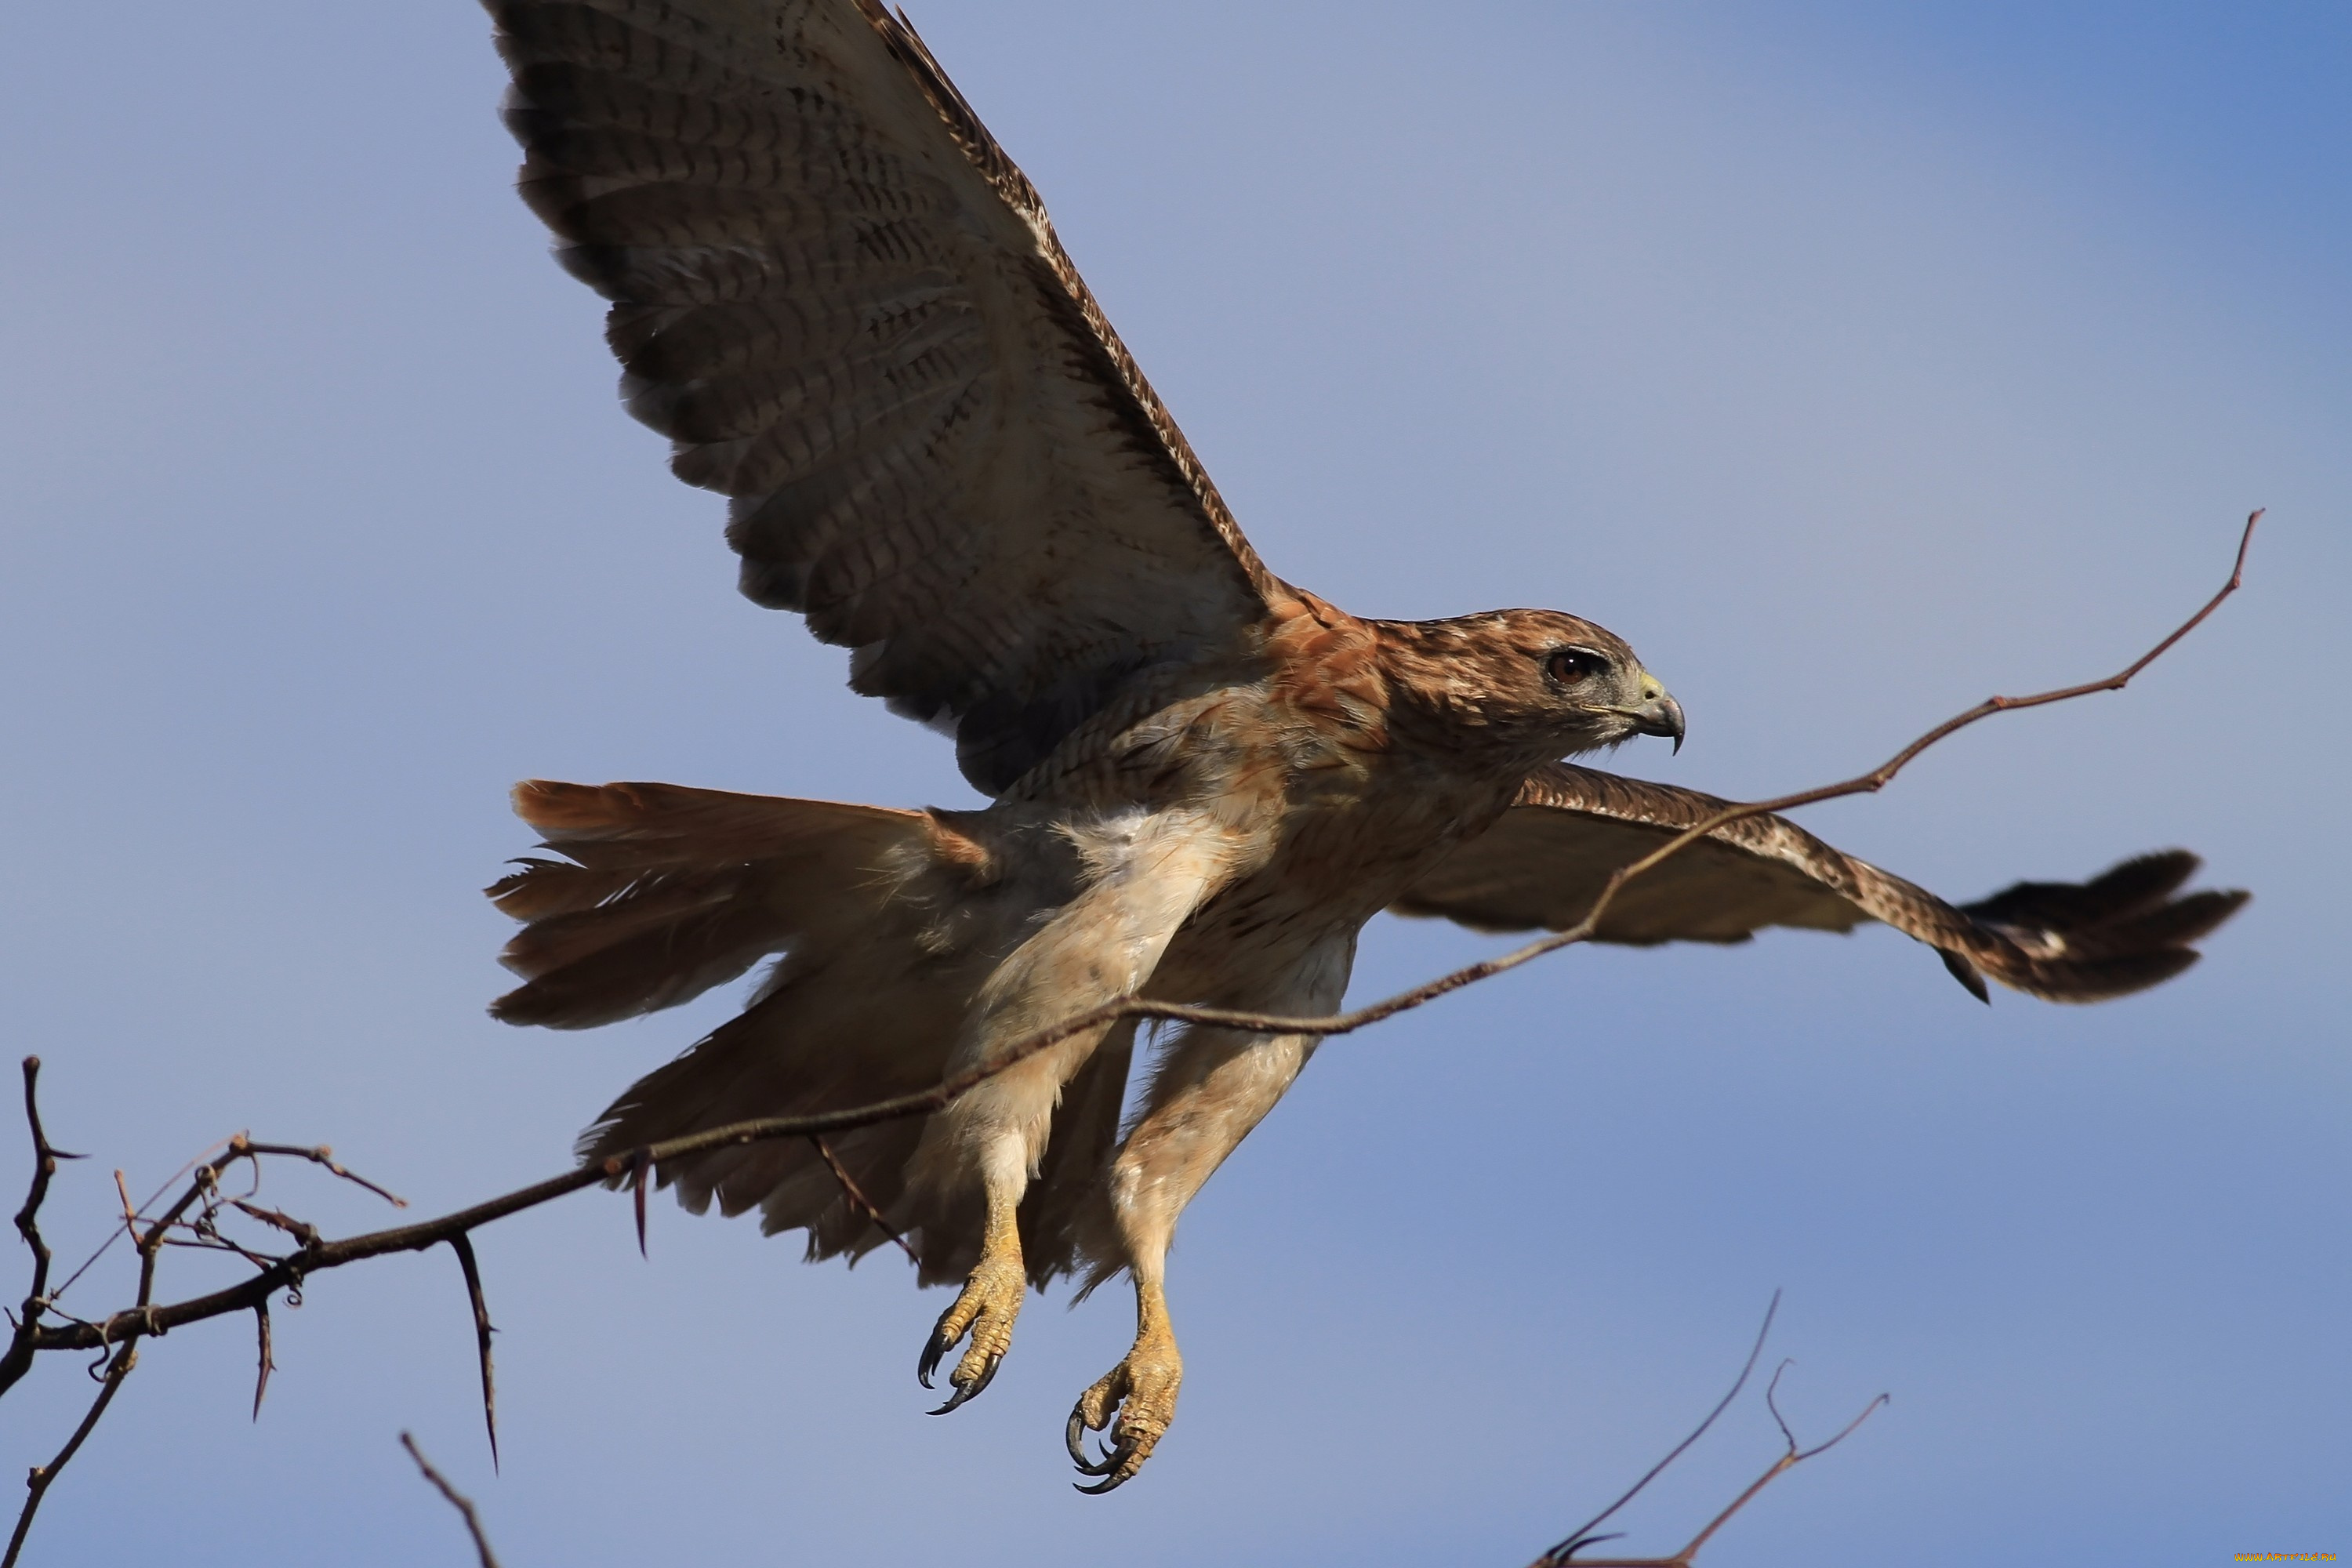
(1111, 1485)
(1075, 1438)
(967, 1392)
(1103, 1464)
(938, 1345)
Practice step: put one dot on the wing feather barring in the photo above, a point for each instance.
(845, 308)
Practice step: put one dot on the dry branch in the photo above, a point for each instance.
(1565, 1552)
(457, 1499)
(118, 1337)
(118, 1334)
(18, 1357)
(857, 1196)
(38, 1482)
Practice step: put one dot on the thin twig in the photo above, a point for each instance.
(1564, 1555)
(151, 1248)
(1788, 1461)
(300, 1230)
(1582, 1536)
(457, 1499)
(36, 1483)
(318, 1154)
(128, 1224)
(18, 1358)
(204, 1243)
(857, 1198)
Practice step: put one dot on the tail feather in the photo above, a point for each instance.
(2123, 930)
(2133, 888)
(885, 924)
(668, 891)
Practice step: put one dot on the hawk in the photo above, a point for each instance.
(844, 304)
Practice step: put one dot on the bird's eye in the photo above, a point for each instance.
(1571, 665)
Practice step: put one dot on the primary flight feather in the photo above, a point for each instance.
(846, 307)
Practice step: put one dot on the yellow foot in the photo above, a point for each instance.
(1141, 1390)
(990, 1301)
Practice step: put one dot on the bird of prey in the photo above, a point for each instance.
(843, 303)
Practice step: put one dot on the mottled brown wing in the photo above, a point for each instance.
(1545, 862)
(845, 306)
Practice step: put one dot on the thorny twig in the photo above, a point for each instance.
(316, 1254)
(117, 1367)
(1565, 1553)
(457, 1499)
(239, 1146)
(116, 1335)
(151, 1245)
(20, 1354)
(857, 1196)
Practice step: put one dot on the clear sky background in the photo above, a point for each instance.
(1852, 362)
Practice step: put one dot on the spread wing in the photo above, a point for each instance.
(1544, 862)
(845, 306)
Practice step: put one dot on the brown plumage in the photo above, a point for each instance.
(1544, 861)
(846, 306)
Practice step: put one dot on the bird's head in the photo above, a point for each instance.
(1535, 683)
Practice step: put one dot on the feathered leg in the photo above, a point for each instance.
(1146, 875)
(1209, 1089)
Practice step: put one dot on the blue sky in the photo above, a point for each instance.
(1851, 361)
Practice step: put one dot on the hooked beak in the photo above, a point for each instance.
(1661, 715)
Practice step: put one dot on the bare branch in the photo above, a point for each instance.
(318, 1154)
(1798, 1458)
(1780, 1467)
(1772, 1402)
(36, 1483)
(457, 1499)
(1564, 1555)
(300, 1230)
(856, 1196)
(18, 1358)
(151, 1248)
(1582, 1535)
(308, 1260)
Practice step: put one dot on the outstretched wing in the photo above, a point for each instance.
(1545, 861)
(845, 306)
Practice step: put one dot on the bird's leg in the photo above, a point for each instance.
(1141, 1390)
(1209, 1089)
(992, 1295)
(1148, 875)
